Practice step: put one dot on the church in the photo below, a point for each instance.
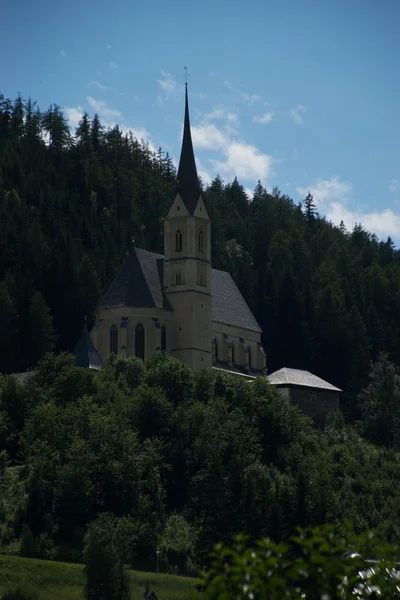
(177, 302)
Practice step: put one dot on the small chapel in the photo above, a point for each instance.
(177, 302)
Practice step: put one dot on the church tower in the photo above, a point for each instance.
(187, 262)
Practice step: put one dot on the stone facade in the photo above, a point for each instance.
(315, 403)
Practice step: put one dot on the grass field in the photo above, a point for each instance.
(64, 581)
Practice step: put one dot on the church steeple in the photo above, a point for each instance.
(187, 182)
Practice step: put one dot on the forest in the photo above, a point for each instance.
(183, 460)
(72, 206)
(188, 458)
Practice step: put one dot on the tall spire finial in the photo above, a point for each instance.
(186, 75)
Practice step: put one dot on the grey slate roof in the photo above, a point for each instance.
(85, 353)
(286, 376)
(228, 304)
(140, 283)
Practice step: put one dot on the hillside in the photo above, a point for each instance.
(187, 458)
(327, 300)
(65, 581)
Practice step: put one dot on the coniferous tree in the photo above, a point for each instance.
(41, 336)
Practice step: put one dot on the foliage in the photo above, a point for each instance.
(188, 459)
(72, 206)
(316, 563)
(380, 403)
(107, 547)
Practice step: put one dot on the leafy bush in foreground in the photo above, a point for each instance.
(317, 563)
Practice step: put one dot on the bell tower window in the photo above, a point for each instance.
(178, 241)
(177, 279)
(201, 241)
(163, 339)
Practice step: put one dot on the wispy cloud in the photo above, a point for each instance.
(108, 46)
(100, 86)
(102, 109)
(167, 83)
(334, 198)
(221, 112)
(263, 119)
(112, 64)
(394, 185)
(297, 114)
(248, 98)
(63, 53)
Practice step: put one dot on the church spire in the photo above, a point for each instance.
(187, 183)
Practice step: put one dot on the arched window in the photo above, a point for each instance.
(201, 241)
(233, 353)
(139, 341)
(113, 340)
(249, 357)
(178, 241)
(178, 279)
(163, 339)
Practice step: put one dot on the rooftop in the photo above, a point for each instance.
(297, 377)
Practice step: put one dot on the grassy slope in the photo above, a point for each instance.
(64, 581)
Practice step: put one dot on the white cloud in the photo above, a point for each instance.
(232, 156)
(74, 115)
(63, 53)
(202, 172)
(102, 109)
(209, 137)
(112, 64)
(394, 185)
(263, 119)
(100, 86)
(327, 190)
(160, 100)
(244, 160)
(108, 46)
(168, 83)
(296, 114)
(332, 197)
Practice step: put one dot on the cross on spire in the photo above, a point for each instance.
(186, 75)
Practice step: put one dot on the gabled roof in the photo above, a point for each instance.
(187, 182)
(85, 353)
(140, 283)
(297, 377)
(228, 304)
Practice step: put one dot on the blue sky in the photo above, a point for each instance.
(299, 94)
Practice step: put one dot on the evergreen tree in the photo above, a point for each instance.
(310, 209)
(41, 339)
(9, 337)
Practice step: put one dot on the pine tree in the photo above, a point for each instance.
(310, 210)
(41, 336)
(9, 338)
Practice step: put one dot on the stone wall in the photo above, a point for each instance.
(315, 403)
